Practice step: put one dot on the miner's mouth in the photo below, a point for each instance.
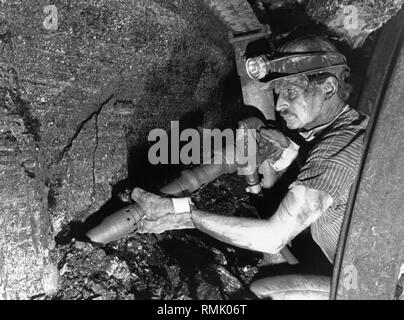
(286, 115)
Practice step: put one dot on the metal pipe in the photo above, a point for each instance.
(222, 162)
(118, 225)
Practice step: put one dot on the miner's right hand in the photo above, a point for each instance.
(273, 136)
(276, 149)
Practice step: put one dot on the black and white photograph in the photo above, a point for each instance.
(203, 156)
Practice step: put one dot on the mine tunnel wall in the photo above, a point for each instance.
(78, 102)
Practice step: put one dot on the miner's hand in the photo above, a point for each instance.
(153, 205)
(275, 150)
(271, 144)
(273, 136)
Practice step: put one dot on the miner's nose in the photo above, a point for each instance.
(281, 104)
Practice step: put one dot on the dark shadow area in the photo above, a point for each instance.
(192, 251)
(78, 229)
(259, 47)
(285, 17)
(312, 260)
(141, 173)
(192, 259)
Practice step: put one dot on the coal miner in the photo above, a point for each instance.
(307, 76)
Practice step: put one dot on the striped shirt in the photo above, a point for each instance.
(330, 162)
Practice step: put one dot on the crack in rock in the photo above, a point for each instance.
(94, 152)
(103, 101)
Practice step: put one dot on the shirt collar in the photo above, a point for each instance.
(312, 133)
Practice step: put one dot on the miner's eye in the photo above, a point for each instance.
(292, 93)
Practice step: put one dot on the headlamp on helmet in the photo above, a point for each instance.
(307, 55)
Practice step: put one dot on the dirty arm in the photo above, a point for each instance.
(300, 207)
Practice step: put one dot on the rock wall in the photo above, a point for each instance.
(353, 20)
(82, 83)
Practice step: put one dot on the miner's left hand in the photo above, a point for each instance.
(153, 205)
(170, 221)
(159, 213)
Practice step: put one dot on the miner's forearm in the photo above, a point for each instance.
(300, 207)
(247, 233)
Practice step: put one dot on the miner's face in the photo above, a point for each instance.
(298, 103)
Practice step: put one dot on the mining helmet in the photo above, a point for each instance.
(304, 55)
